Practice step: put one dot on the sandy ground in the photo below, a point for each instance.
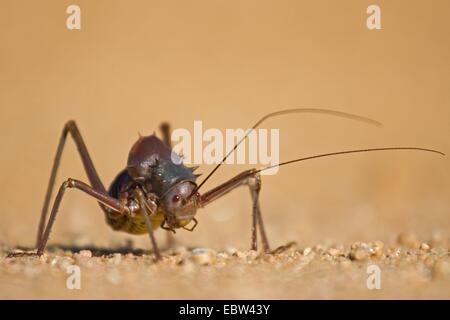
(408, 269)
(227, 63)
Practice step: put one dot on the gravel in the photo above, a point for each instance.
(409, 268)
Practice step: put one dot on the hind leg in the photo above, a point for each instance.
(94, 179)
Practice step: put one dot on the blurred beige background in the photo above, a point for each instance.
(134, 64)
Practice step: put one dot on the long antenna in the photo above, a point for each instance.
(346, 152)
(289, 111)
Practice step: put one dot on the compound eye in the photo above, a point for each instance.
(176, 198)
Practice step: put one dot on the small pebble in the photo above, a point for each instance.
(359, 254)
(85, 253)
(203, 256)
(116, 258)
(222, 255)
(393, 252)
(61, 262)
(334, 252)
(377, 248)
(179, 251)
(231, 250)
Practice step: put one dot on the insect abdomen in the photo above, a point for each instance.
(136, 224)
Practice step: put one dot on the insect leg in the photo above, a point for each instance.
(165, 131)
(255, 188)
(253, 180)
(87, 163)
(143, 203)
(101, 197)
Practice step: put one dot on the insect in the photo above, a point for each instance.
(155, 192)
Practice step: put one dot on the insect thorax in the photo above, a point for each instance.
(164, 174)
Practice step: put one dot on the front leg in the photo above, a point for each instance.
(253, 180)
(255, 188)
(149, 207)
(101, 196)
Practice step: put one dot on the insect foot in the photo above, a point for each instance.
(284, 248)
(20, 253)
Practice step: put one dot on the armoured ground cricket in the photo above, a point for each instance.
(153, 191)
